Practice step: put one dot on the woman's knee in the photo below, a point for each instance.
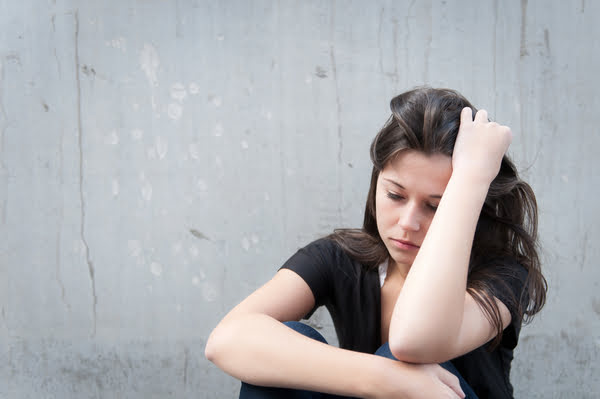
(384, 351)
(305, 330)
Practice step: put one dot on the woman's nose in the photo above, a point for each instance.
(409, 218)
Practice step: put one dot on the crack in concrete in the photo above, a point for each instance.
(59, 234)
(338, 110)
(407, 36)
(57, 64)
(4, 322)
(494, 54)
(427, 54)
(379, 41)
(395, 75)
(584, 250)
(185, 365)
(4, 121)
(281, 137)
(81, 199)
(524, 51)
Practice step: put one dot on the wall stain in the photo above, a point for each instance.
(89, 71)
(199, 235)
(320, 72)
(13, 58)
(596, 305)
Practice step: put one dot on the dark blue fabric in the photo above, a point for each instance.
(249, 391)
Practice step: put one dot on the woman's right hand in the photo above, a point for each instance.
(415, 381)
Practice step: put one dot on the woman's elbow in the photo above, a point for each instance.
(211, 349)
(405, 353)
(417, 348)
(217, 343)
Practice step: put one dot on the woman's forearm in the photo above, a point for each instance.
(260, 350)
(428, 313)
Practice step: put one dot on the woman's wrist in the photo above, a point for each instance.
(471, 182)
(378, 373)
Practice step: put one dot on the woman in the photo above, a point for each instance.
(430, 279)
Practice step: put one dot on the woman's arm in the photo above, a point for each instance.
(434, 318)
(252, 344)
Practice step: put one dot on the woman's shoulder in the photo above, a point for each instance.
(326, 253)
(327, 250)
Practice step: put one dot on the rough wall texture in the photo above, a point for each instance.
(160, 159)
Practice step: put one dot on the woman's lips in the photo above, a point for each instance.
(402, 244)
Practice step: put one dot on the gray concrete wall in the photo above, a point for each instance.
(159, 160)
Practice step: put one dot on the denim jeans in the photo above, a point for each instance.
(249, 391)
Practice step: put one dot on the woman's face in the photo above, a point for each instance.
(409, 190)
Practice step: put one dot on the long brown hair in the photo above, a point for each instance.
(427, 120)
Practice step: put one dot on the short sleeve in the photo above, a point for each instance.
(313, 264)
(509, 287)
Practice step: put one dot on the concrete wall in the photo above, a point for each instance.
(159, 160)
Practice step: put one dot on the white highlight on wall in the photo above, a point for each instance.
(216, 100)
(194, 150)
(161, 147)
(156, 269)
(115, 187)
(176, 247)
(112, 138)
(149, 62)
(135, 248)
(218, 131)
(178, 92)
(194, 88)
(147, 191)
(118, 43)
(209, 292)
(245, 243)
(137, 134)
(174, 111)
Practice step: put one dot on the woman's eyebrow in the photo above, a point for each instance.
(437, 196)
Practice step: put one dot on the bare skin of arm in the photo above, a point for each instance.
(252, 344)
(434, 318)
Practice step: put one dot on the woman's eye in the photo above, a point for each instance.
(394, 197)
(432, 207)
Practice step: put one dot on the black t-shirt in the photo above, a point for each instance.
(352, 294)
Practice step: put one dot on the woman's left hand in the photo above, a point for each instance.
(479, 147)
